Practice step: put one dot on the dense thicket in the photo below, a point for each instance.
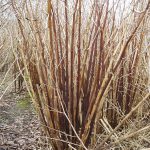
(85, 64)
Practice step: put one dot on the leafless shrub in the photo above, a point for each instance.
(85, 65)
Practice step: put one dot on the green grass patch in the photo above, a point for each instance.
(24, 103)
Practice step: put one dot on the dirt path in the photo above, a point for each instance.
(19, 127)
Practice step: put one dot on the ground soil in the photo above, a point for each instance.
(19, 125)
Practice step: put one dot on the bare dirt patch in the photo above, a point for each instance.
(19, 125)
